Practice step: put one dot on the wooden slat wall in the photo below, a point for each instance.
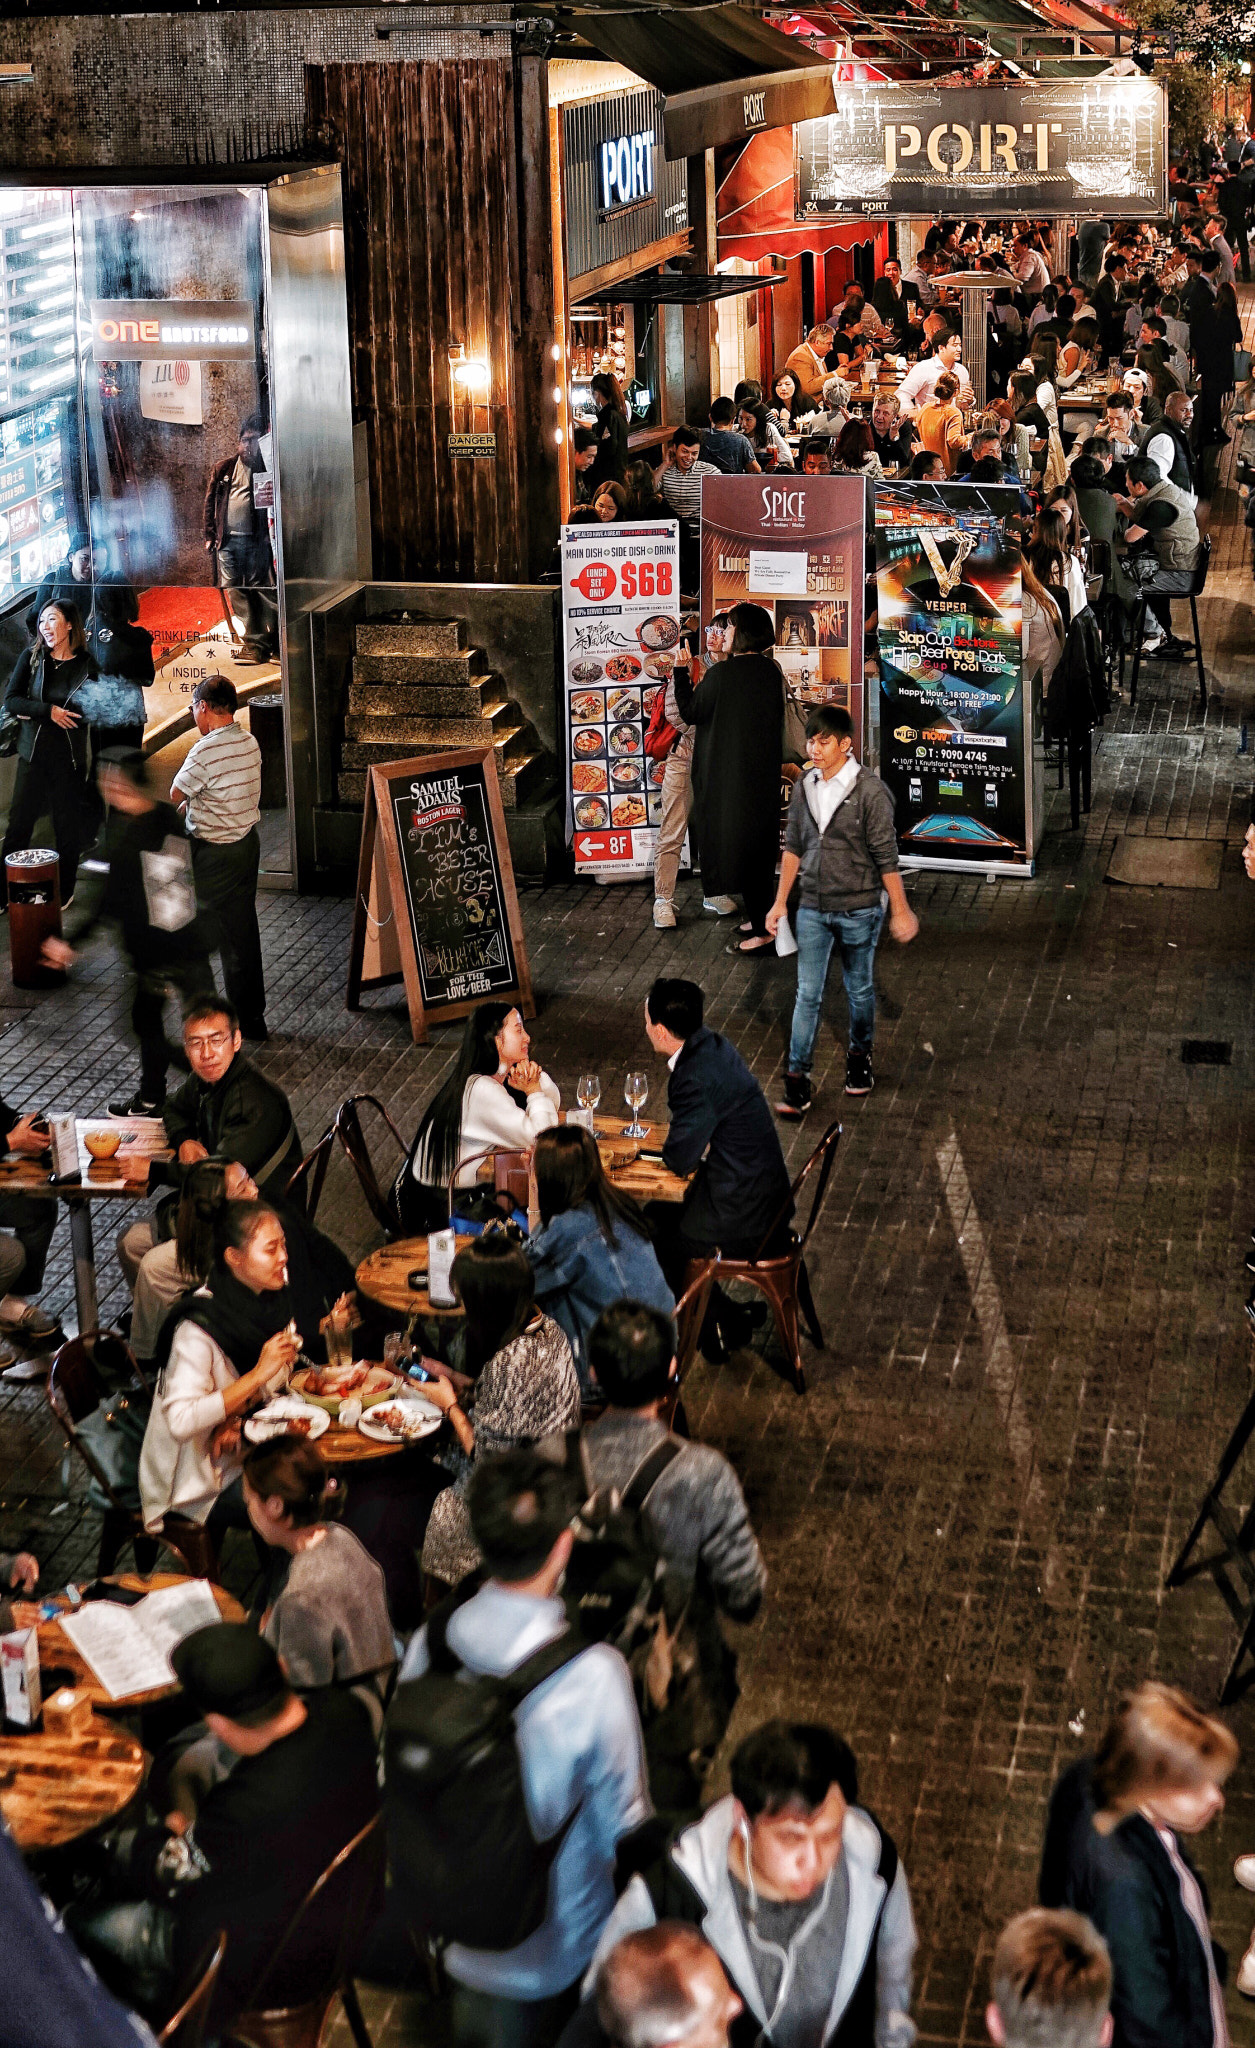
(431, 253)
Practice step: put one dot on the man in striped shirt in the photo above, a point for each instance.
(219, 788)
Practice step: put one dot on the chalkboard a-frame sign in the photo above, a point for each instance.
(439, 910)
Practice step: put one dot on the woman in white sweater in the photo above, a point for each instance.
(230, 1349)
(496, 1098)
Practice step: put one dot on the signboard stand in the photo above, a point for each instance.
(436, 905)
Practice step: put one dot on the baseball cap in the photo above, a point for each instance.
(227, 1669)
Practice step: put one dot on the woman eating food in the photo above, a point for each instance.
(525, 1387)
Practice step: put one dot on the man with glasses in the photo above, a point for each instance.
(226, 1109)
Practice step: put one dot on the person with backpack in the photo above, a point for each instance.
(514, 1767)
(799, 1891)
(840, 842)
(682, 1515)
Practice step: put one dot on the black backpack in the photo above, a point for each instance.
(614, 1580)
(460, 1845)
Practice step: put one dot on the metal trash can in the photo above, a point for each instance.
(265, 722)
(33, 880)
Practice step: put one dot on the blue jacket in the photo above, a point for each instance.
(577, 1274)
(721, 1126)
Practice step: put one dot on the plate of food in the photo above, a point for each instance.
(286, 1415)
(586, 670)
(623, 668)
(588, 741)
(658, 632)
(623, 704)
(588, 778)
(587, 706)
(590, 813)
(625, 739)
(657, 769)
(328, 1385)
(627, 774)
(627, 810)
(403, 1421)
(659, 666)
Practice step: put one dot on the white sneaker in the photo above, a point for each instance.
(1245, 1979)
(720, 906)
(664, 914)
(1244, 1871)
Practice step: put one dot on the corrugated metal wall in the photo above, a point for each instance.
(594, 238)
(431, 260)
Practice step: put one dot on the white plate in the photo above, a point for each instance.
(425, 1421)
(273, 1419)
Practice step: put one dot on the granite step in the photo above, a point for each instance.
(411, 636)
(436, 728)
(508, 740)
(521, 779)
(451, 669)
(477, 699)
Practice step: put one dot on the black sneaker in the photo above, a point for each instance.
(858, 1073)
(139, 1105)
(797, 1098)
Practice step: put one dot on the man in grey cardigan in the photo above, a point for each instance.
(840, 841)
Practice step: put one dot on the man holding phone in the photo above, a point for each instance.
(26, 1226)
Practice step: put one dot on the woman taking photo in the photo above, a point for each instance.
(496, 1098)
(738, 709)
(1113, 1851)
(524, 1387)
(231, 1346)
(591, 1245)
(325, 1608)
(52, 738)
(611, 460)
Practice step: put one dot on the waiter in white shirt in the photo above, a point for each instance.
(918, 385)
(219, 789)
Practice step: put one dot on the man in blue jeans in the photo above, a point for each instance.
(840, 841)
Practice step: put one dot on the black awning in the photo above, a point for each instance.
(740, 107)
(677, 288)
(679, 49)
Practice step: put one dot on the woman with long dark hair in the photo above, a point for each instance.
(764, 437)
(592, 1246)
(496, 1097)
(611, 460)
(53, 738)
(738, 710)
(525, 1387)
(1050, 552)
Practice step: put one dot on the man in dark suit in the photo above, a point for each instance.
(723, 1134)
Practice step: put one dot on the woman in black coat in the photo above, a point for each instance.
(44, 696)
(1113, 1852)
(123, 651)
(611, 460)
(738, 710)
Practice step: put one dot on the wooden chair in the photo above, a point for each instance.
(306, 1185)
(356, 1876)
(783, 1278)
(75, 1391)
(186, 2027)
(1194, 593)
(347, 1128)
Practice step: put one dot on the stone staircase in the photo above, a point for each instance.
(417, 686)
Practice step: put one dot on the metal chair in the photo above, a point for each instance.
(690, 1314)
(186, 2027)
(1194, 592)
(511, 1175)
(306, 1184)
(75, 1390)
(347, 1128)
(783, 1278)
(356, 1875)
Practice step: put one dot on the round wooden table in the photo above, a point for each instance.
(382, 1277)
(57, 1652)
(54, 1788)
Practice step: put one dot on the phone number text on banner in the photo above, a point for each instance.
(620, 632)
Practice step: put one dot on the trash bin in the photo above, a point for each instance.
(265, 722)
(33, 879)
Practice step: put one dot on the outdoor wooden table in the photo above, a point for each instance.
(645, 1177)
(382, 1278)
(124, 1178)
(57, 1652)
(54, 1788)
(350, 1447)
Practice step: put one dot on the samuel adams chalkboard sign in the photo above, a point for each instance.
(439, 909)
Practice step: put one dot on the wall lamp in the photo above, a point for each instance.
(471, 373)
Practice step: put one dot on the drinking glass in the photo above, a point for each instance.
(338, 1331)
(588, 1091)
(636, 1095)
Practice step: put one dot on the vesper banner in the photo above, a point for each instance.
(620, 631)
(1090, 146)
(952, 728)
(794, 544)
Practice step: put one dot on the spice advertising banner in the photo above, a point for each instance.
(796, 546)
(620, 632)
(1074, 146)
(953, 745)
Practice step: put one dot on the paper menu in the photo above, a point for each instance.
(128, 1648)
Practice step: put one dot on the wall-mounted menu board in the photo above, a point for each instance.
(436, 903)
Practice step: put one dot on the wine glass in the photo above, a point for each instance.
(588, 1091)
(636, 1095)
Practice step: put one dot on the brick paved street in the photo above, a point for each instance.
(1029, 1270)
